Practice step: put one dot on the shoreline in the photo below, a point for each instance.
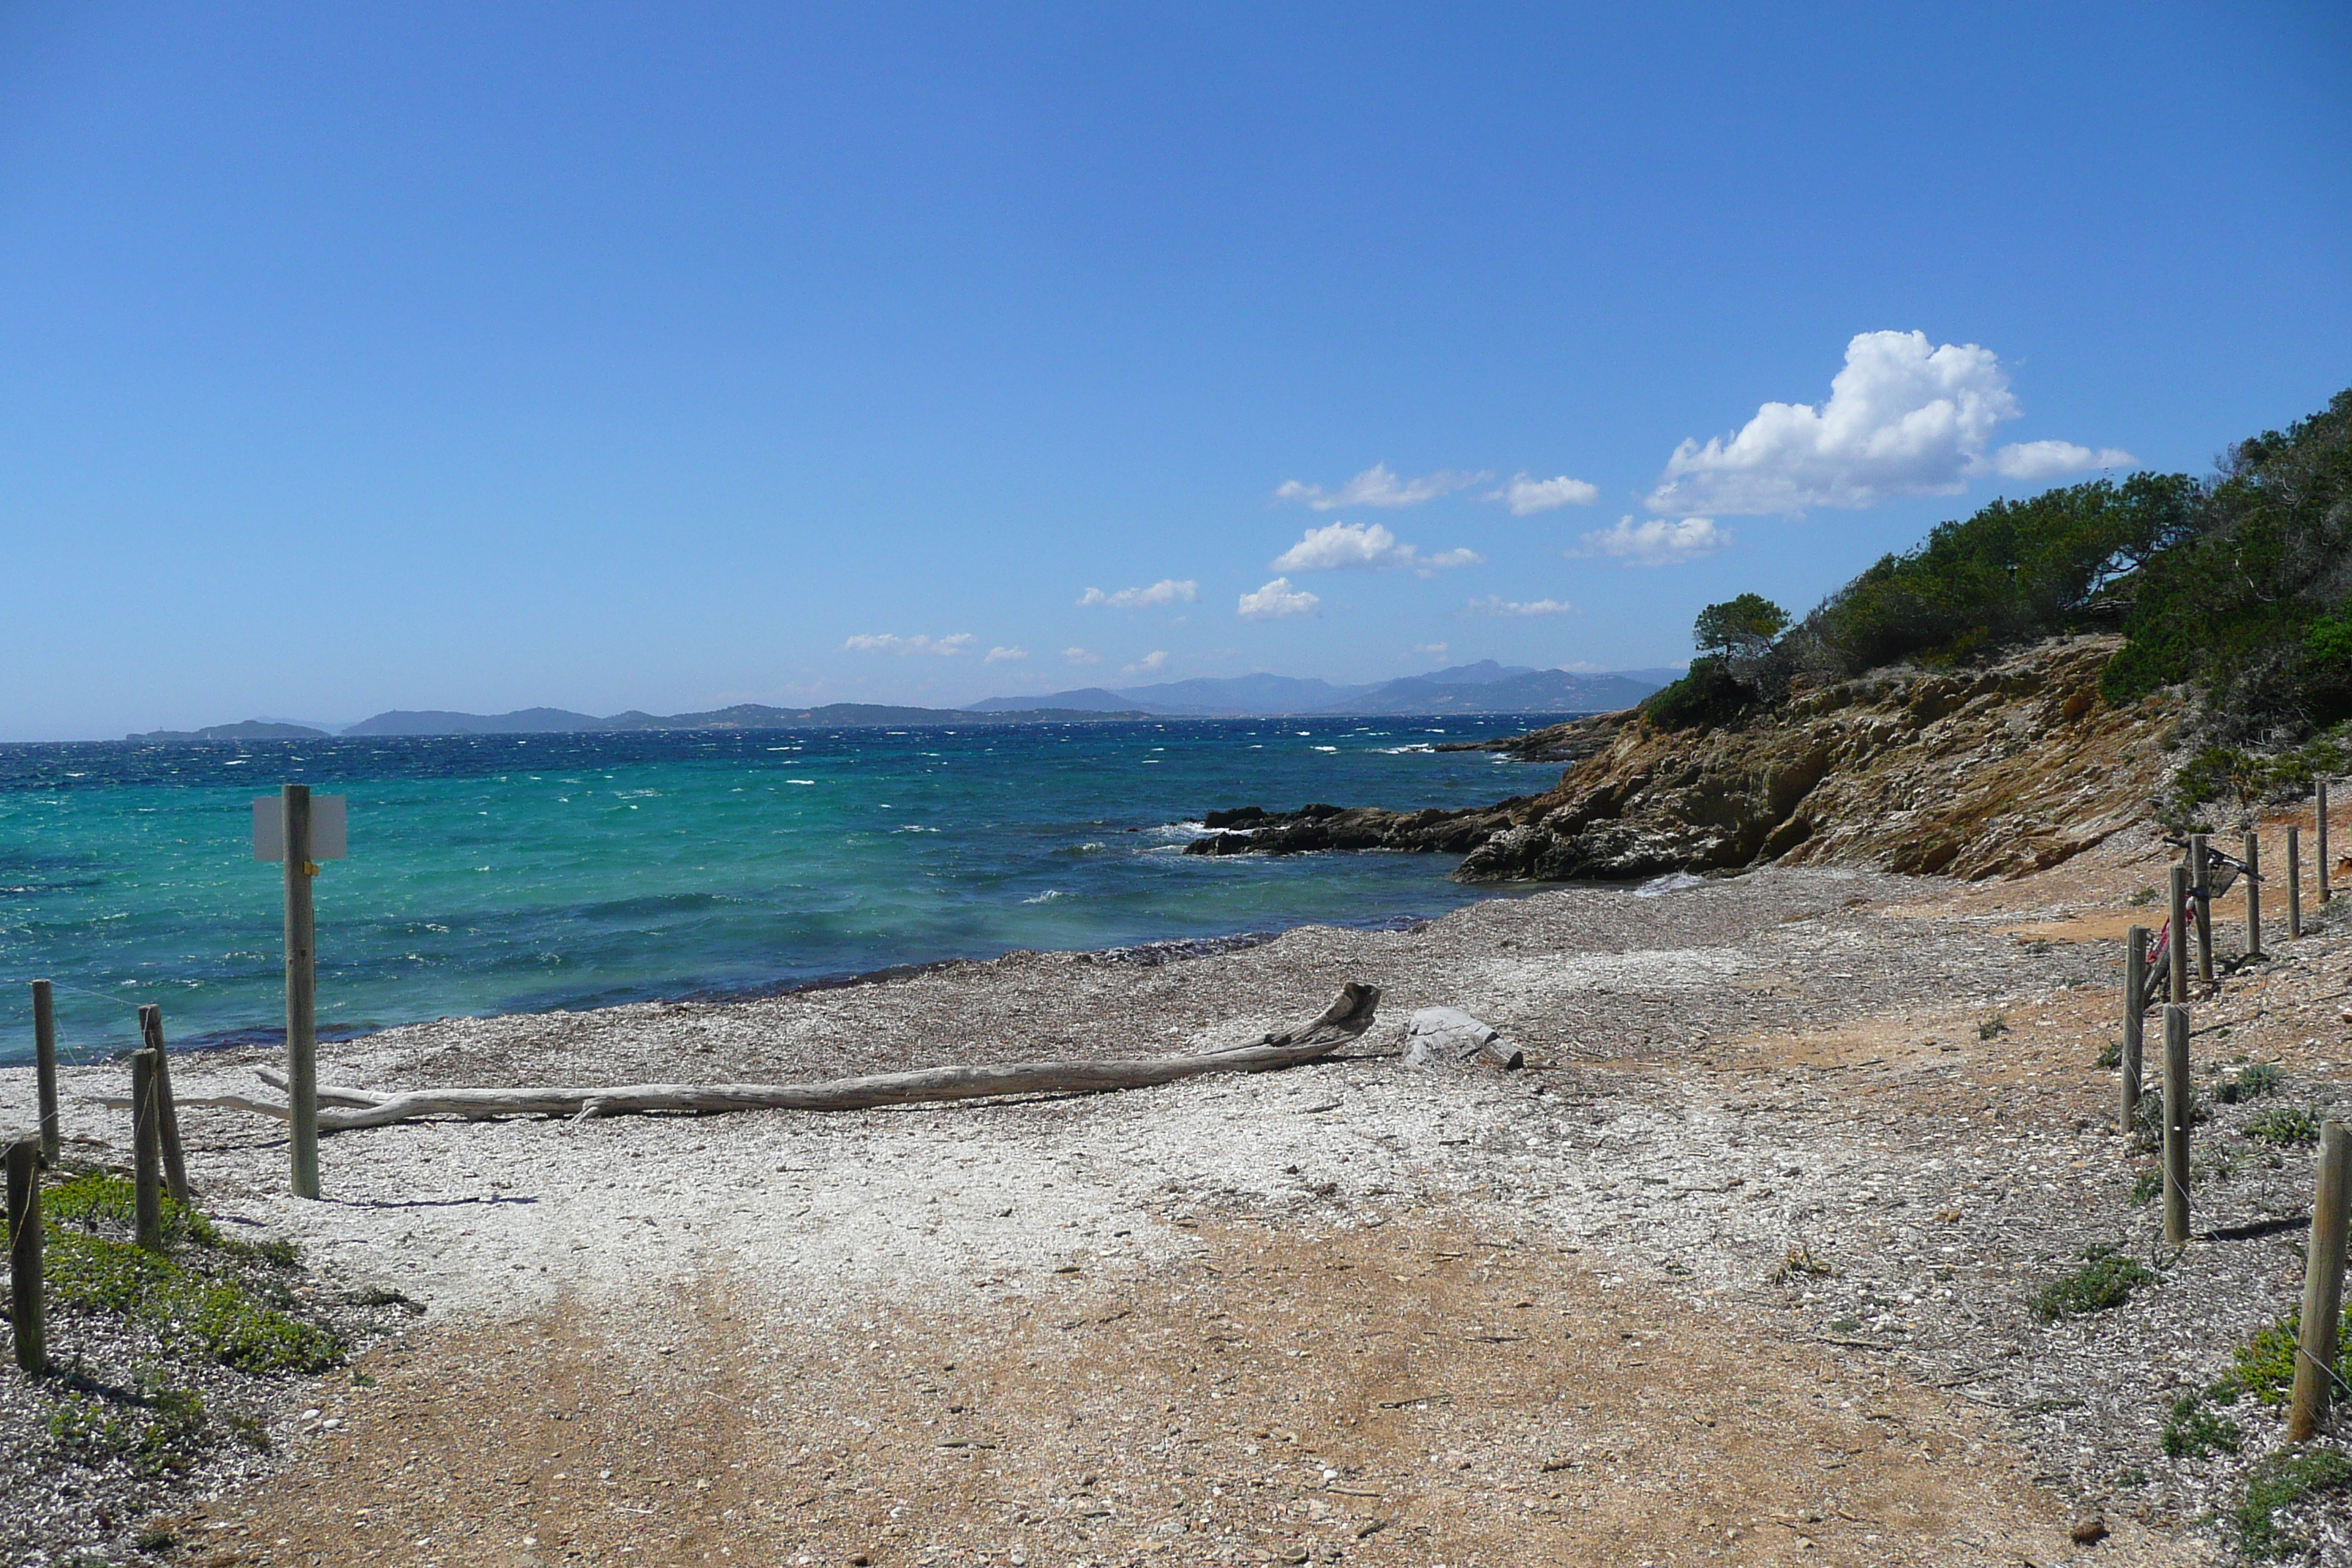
(1718, 1076)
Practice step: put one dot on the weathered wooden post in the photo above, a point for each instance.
(2294, 881)
(2176, 1125)
(25, 1309)
(2135, 1012)
(2323, 1285)
(2176, 954)
(45, 1066)
(2200, 884)
(147, 1152)
(167, 1111)
(302, 994)
(2253, 856)
(2319, 843)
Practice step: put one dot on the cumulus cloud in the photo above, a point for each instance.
(1005, 655)
(1276, 600)
(1495, 604)
(884, 642)
(1526, 497)
(1080, 655)
(1903, 418)
(1379, 486)
(1155, 659)
(1167, 591)
(1434, 649)
(1364, 546)
(2035, 462)
(1657, 542)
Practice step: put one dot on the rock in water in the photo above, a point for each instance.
(1449, 1037)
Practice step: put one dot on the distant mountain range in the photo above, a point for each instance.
(1486, 687)
(556, 721)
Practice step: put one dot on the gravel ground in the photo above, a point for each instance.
(1720, 1074)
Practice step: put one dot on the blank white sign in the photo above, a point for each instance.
(326, 838)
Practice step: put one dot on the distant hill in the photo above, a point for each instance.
(558, 722)
(249, 730)
(1534, 691)
(1484, 687)
(434, 722)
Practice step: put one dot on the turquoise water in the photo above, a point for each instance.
(512, 873)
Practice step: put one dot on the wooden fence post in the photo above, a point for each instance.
(45, 1066)
(2177, 954)
(302, 995)
(2201, 881)
(2294, 881)
(2254, 859)
(2319, 845)
(2176, 1091)
(2322, 1286)
(2135, 1014)
(147, 1149)
(25, 1311)
(167, 1111)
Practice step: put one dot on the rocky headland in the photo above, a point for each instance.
(1994, 771)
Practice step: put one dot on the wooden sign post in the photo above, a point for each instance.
(300, 829)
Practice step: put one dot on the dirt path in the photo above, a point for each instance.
(1418, 1394)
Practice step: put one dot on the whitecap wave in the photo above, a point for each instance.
(1672, 882)
(1047, 897)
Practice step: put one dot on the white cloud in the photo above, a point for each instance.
(1377, 486)
(1367, 546)
(1167, 591)
(1005, 655)
(2035, 462)
(1155, 659)
(1903, 418)
(1434, 649)
(1526, 497)
(1495, 604)
(1276, 600)
(1080, 655)
(1657, 542)
(884, 642)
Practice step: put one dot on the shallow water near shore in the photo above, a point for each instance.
(495, 874)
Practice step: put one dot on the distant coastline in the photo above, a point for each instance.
(1484, 687)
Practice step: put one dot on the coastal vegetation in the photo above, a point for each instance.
(2237, 585)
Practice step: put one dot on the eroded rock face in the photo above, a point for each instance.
(1999, 771)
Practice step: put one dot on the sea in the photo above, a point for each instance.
(513, 873)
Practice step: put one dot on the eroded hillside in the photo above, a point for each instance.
(1989, 772)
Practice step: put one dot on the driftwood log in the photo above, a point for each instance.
(343, 1109)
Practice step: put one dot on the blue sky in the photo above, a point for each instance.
(355, 357)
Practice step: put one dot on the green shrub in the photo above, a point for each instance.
(1709, 697)
(2106, 1281)
(2280, 1482)
(2192, 1431)
(2252, 1083)
(2284, 1125)
(2264, 1364)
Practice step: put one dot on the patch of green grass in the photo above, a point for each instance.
(164, 1429)
(93, 1270)
(2192, 1430)
(2252, 1083)
(2106, 1280)
(2264, 1364)
(2111, 1055)
(2280, 1482)
(1992, 1027)
(2286, 1125)
(2144, 898)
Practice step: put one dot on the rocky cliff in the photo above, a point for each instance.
(1988, 772)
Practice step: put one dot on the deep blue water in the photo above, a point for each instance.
(510, 873)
